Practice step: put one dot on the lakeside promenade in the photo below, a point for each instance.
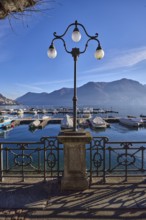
(45, 200)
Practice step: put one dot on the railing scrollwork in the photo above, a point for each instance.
(44, 159)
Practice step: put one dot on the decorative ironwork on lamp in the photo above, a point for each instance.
(75, 52)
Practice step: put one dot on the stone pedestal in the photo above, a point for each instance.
(75, 177)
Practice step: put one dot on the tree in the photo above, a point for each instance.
(10, 7)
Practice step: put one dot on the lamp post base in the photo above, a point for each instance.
(75, 176)
(70, 132)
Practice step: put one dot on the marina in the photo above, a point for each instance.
(115, 132)
(53, 111)
(50, 120)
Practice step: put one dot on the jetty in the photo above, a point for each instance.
(47, 121)
(53, 121)
(52, 111)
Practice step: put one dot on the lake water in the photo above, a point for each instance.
(116, 132)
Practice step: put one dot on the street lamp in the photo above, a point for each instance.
(75, 52)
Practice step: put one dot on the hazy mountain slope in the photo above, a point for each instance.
(120, 92)
(6, 101)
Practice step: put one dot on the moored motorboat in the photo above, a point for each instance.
(32, 111)
(97, 122)
(87, 113)
(4, 121)
(20, 111)
(34, 124)
(45, 117)
(133, 122)
(66, 122)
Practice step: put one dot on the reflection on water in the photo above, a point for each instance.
(123, 129)
(116, 132)
(22, 133)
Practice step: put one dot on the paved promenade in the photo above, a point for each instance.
(41, 200)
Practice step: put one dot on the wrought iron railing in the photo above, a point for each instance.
(31, 159)
(44, 159)
(116, 159)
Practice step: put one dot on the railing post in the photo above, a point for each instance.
(23, 179)
(90, 180)
(104, 166)
(44, 161)
(58, 158)
(1, 162)
(126, 162)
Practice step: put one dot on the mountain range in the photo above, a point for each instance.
(123, 92)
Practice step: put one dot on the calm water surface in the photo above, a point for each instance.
(116, 132)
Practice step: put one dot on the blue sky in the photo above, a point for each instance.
(25, 67)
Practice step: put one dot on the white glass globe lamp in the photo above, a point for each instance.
(99, 53)
(76, 35)
(52, 52)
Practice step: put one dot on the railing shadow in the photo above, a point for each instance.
(124, 200)
(45, 199)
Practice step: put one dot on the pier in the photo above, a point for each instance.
(57, 111)
(55, 120)
(43, 122)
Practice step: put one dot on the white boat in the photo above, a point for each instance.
(3, 112)
(20, 111)
(66, 122)
(98, 122)
(133, 122)
(44, 117)
(44, 111)
(54, 111)
(32, 111)
(34, 124)
(4, 121)
(86, 113)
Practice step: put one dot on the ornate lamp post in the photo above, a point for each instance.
(75, 52)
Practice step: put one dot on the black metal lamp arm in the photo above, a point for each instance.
(86, 45)
(64, 44)
(92, 37)
(76, 24)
